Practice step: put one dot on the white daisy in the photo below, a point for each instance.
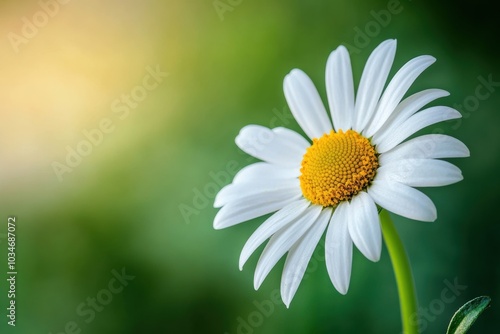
(336, 182)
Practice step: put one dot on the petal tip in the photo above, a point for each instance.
(466, 152)
(433, 216)
(342, 48)
(285, 296)
(241, 262)
(217, 202)
(218, 221)
(342, 289)
(257, 279)
(429, 59)
(342, 286)
(389, 41)
(374, 257)
(392, 43)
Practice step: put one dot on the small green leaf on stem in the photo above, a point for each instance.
(464, 318)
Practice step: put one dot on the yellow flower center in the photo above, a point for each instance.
(336, 167)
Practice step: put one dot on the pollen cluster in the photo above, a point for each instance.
(336, 167)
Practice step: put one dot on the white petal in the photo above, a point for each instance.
(293, 137)
(299, 256)
(405, 109)
(420, 172)
(340, 88)
(338, 249)
(282, 241)
(395, 91)
(372, 83)
(433, 146)
(306, 105)
(415, 123)
(273, 224)
(245, 191)
(364, 226)
(271, 146)
(252, 207)
(263, 171)
(402, 200)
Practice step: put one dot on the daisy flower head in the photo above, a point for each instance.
(355, 160)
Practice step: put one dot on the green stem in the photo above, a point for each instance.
(402, 271)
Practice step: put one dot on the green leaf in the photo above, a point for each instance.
(464, 318)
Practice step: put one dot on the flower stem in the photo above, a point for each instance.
(402, 271)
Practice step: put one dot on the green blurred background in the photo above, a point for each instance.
(140, 200)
